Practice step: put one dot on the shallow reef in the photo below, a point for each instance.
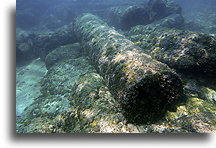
(184, 51)
(132, 68)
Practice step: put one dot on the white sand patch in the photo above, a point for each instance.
(28, 83)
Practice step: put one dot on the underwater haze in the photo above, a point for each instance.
(115, 66)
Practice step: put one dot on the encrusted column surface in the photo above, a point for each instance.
(144, 87)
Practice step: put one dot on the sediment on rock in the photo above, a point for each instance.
(187, 52)
(144, 87)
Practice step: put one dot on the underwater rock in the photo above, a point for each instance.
(43, 44)
(61, 76)
(125, 17)
(89, 108)
(173, 21)
(24, 46)
(70, 51)
(56, 89)
(187, 52)
(36, 125)
(208, 94)
(144, 87)
(159, 9)
(128, 16)
(196, 115)
(95, 109)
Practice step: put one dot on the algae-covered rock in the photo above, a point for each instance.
(208, 94)
(144, 87)
(191, 107)
(70, 51)
(196, 105)
(92, 110)
(181, 111)
(87, 106)
(63, 75)
(56, 90)
(196, 123)
(97, 110)
(187, 52)
(38, 125)
(196, 115)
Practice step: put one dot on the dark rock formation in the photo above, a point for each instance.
(43, 44)
(159, 9)
(125, 17)
(144, 87)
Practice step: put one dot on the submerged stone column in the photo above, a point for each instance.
(144, 87)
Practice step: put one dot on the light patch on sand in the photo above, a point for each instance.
(28, 84)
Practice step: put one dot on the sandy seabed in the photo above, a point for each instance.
(28, 83)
